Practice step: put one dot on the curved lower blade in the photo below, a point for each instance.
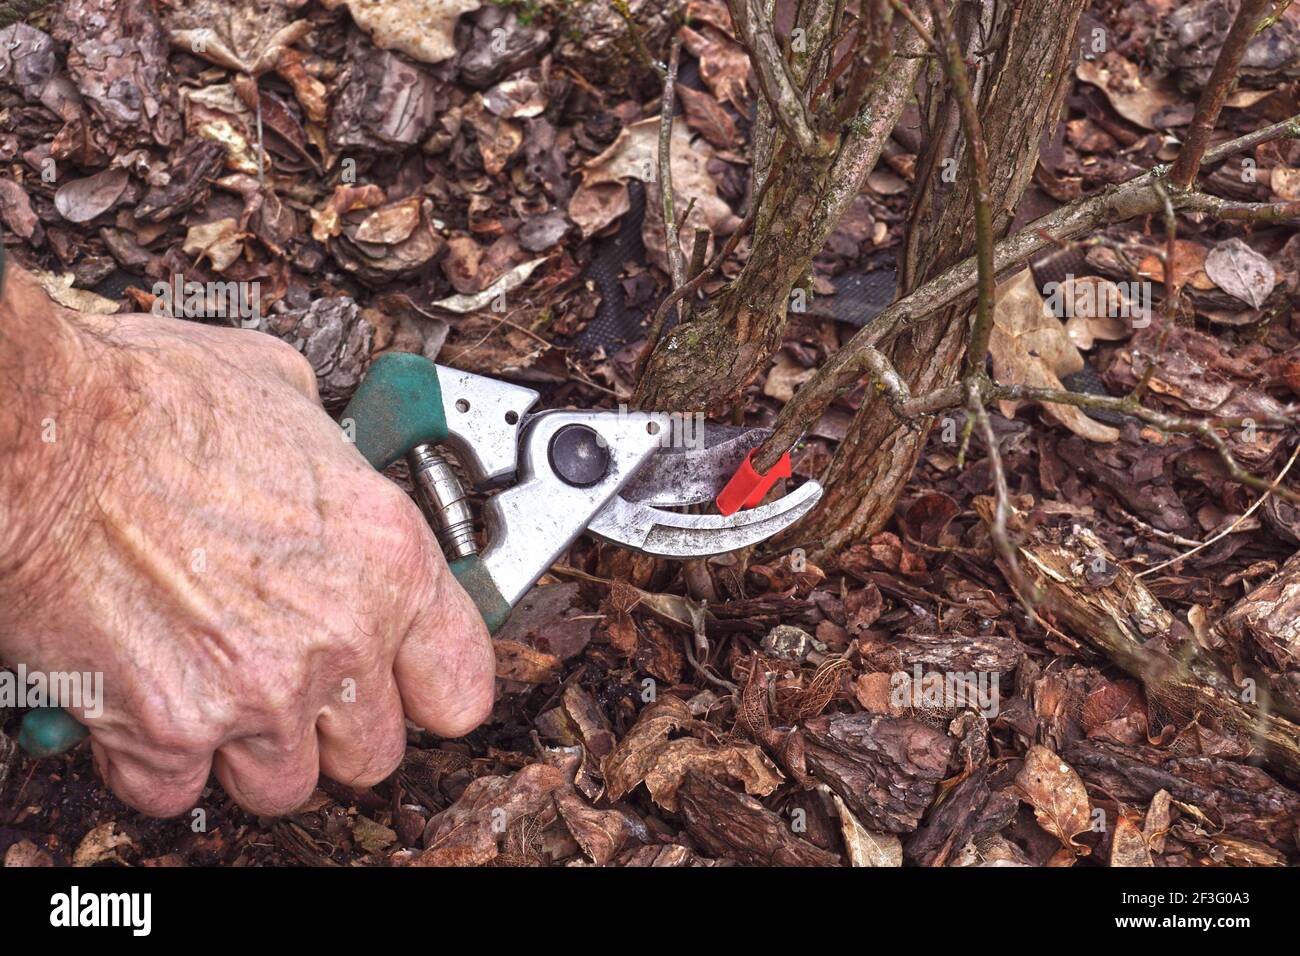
(669, 534)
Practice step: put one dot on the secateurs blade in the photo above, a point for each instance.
(616, 473)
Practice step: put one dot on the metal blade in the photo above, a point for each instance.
(692, 469)
(669, 534)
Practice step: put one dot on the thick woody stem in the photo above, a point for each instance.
(1137, 197)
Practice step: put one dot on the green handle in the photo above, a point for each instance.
(397, 407)
(48, 731)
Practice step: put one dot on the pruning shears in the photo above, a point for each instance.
(617, 474)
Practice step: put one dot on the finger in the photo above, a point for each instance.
(362, 736)
(164, 788)
(266, 776)
(446, 667)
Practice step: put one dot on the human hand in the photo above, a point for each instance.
(262, 603)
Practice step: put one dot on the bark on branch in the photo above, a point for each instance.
(1126, 623)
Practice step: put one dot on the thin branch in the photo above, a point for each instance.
(1172, 290)
(1232, 527)
(1204, 428)
(642, 52)
(676, 261)
(978, 157)
(1002, 495)
(1216, 91)
(1137, 197)
(778, 87)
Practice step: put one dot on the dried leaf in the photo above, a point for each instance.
(422, 29)
(481, 300)
(220, 241)
(600, 833)
(100, 845)
(1240, 271)
(1128, 846)
(81, 200)
(646, 755)
(1029, 346)
(1138, 97)
(469, 832)
(60, 289)
(1057, 794)
(244, 35)
(864, 847)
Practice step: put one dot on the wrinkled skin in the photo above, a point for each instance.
(263, 605)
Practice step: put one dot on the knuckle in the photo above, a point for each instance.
(383, 759)
(294, 366)
(165, 801)
(278, 795)
(174, 733)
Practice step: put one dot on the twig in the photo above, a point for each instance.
(783, 98)
(1002, 495)
(1204, 428)
(978, 157)
(1232, 527)
(642, 52)
(1215, 94)
(1172, 289)
(1137, 197)
(672, 230)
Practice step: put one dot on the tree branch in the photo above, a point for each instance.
(978, 157)
(784, 99)
(1216, 91)
(1137, 197)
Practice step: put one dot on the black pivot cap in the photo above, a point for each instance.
(579, 456)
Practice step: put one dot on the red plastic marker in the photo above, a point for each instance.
(747, 487)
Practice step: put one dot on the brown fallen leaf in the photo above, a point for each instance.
(243, 35)
(422, 29)
(1029, 346)
(1057, 794)
(25, 853)
(220, 241)
(635, 155)
(327, 219)
(101, 845)
(390, 224)
(1140, 98)
(864, 847)
(646, 755)
(706, 117)
(1241, 272)
(1189, 266)
(1128, 846)
(600, 833)
(516, 661)
(469, 832)
(81, 200)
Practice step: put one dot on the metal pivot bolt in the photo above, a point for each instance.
(578, 456)
(443, 500)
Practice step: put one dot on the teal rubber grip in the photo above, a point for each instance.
(49, 731)
(397, 407)
(473, 576)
